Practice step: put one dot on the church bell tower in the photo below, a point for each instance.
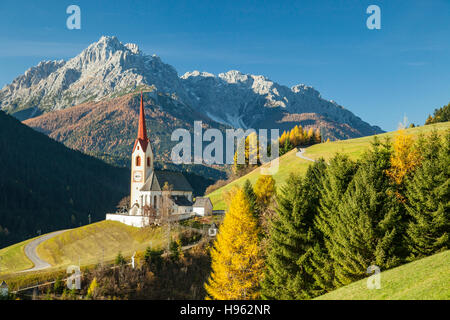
(141, 159)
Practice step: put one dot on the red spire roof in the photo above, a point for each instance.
(142, 131)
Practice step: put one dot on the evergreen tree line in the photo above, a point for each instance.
(439, 115)
(327, 228)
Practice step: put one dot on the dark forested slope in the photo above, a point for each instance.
(47, 186)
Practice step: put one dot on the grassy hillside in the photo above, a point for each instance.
(90, 243)
(291, 163)
(428, 278)
(356, 147)
(13, 258)
(97, 241)
(288, 163)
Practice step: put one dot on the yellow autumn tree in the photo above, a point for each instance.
(292, 137)
(92, 289)
(264, 190)
(237, 262)
(310, 136)
(317, 136)
(405, 157)
(282, 139)
(251, 153)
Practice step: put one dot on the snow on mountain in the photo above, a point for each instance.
(102, 69)
(108, 68)
(236, 98)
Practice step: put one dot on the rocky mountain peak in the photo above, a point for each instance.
(108, 68)
(197, 75)
(306, 90)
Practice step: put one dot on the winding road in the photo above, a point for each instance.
(300, 155)
(31, 253)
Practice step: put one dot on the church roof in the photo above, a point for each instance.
(201, 201)
(181, 201)
(176, 180)
(142, 130)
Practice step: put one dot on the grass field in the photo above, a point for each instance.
(85, 245)
(13, 258)
(424, 279)
(97, 241)
(289, 162)
(356, 147)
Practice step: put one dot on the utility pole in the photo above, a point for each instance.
(89, 217)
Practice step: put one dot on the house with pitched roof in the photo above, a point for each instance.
(202, 206)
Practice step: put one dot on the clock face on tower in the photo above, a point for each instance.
(137, 176)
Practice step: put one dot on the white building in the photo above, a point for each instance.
(148, 186)
(202, 206)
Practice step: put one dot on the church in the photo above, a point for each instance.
(154, 191)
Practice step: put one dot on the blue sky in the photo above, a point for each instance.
(380, 75)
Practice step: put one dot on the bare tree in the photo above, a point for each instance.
(124, 205)
(166, 211)
(149, 215)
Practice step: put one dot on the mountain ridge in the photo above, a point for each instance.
(108, 68)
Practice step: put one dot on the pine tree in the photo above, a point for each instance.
(367, 227)
(251, 198)
(336, 179)
(313, 180)
(288, 272)
(236, 257)
(287, 146)
(428, 194)
(120, 260)
(175, 250)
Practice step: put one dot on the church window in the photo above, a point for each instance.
(148, 161)
(138, 161)
(154, 201)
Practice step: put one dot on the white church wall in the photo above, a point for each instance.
(134, 221)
